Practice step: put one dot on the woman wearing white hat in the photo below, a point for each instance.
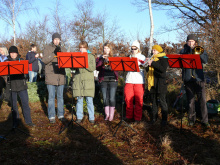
(134, 87)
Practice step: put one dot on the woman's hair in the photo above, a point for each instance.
(83, 44)
(110, 46)
(5, 50)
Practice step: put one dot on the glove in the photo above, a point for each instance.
(57, 49)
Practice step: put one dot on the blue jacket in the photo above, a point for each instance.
(197, 73)
(32, 60)
(3, 58)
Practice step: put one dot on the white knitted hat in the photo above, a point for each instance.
(136, 43)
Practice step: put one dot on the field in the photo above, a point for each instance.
(88, 144)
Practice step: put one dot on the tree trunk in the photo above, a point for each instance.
(151, 29)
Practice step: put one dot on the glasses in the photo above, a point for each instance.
(81, 47)
(134, 48)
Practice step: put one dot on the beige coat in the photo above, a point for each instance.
(53, 74)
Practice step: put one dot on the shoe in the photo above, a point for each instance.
(78, 121)
(137, 121)
(163, 123)
(92, 121)
(153, 121)
(128, 120)
(206, 125)
(107, 112)
(111, 113)
(31, 124)
(52, 121)
(62, 119)
(191, 124)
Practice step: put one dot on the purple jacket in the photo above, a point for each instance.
(100, 67)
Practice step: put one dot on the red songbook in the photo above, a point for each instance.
(124, 64)
(13, 67)
(72, 59)
(191, 61)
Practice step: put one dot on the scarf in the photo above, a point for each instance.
(150, 74)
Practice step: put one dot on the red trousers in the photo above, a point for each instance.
(134, 91)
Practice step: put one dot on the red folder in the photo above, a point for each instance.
(191, 61)
(72, 59)
(14, 67)
(124, 64)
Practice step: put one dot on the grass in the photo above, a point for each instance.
(95, 144)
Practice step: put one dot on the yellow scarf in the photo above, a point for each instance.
(150, 74)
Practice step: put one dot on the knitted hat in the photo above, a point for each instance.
(191, 37)
(158, 48)
(56, 35)
(13, 49)
(136, 43)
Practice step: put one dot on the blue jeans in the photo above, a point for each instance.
(25, 106)
(90, 107)
(32, 76)
(108, 91)
(51, 101)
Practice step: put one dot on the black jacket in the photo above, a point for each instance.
(160, 67)
(197, 73)
(18, 82)
(32, 60)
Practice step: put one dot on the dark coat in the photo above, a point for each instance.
(53, 74)
(160, 67)
(18, 82)
(101, 68)
(197, 73)
(33, 61)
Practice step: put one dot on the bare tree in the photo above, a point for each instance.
(110, 30)
(10, 9)
(86, 26)
(151, 27)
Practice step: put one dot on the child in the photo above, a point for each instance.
(18, 86)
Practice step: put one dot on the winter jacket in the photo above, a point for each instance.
(136, 77)
(33, 61)
(53, 74)
(3, 58)
(160, 67)
(17, 81)
(83, 81)
(188, 74)
(101, 68)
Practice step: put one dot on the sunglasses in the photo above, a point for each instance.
(134, 48)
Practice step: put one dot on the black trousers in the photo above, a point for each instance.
(196, 88)
(155, 102)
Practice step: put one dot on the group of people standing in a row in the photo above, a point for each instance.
(84, 86)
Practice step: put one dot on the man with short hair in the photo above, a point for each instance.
(194, 83)
(54, 78)
(33, 67)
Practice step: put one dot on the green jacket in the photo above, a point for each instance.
(83, 81)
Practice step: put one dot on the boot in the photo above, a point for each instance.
(112, 111)
(106, 112)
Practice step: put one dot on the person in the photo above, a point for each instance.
(33, 67)
(19, 87)
(84, 86)
(54, 78)
(194, 83)
(108, 80)
(3, 79)
(157, 86)
(134, 87)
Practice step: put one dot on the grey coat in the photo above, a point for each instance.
(53, 74)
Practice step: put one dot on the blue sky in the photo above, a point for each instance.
(129, 19)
